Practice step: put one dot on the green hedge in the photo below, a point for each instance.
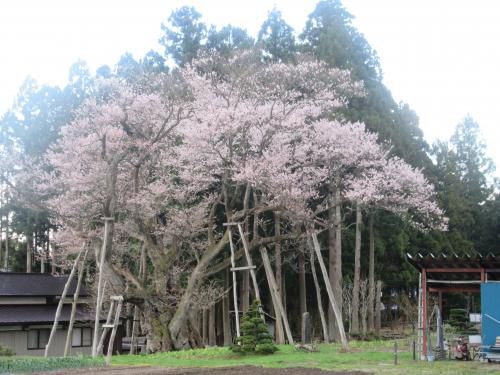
(32, 364)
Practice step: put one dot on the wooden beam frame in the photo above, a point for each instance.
(453, 270)
(454, 282)
(452, 289)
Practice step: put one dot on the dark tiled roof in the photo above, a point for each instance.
(24, 314)
(35, 284)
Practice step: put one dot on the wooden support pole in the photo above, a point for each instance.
(424, 313)
(419, 319)
(99, 285)
(274, 289)
(326, 338)
(249, 262)
(113, 331)
(333, 303)
(61, 303)
(395, 352)
(235, 290)
(105, 327)
(69, 336)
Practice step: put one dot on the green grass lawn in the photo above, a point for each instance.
(375, 357)
(27, 364)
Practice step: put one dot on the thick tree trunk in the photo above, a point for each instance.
(61, 303)
(178, 326)
(204, 325)
(321, 311)
(53, 269)
(135, 318)
(371, 276)
(280, 335)
(29, 253)
(212, 340)
(378, 308)
(283, 293)
(219, 330)
(104, 267)
(302, 283)
(357, 270)
(42, 262)
(134, 330)
(335, 258)
(226, 318)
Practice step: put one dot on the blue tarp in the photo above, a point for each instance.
(490, 312)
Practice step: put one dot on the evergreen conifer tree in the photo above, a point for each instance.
(255, 336)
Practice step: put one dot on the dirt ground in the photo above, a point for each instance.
(247, 370)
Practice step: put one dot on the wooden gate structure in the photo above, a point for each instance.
(449, 273)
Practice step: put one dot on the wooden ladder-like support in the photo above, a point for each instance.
(116, 305)
(235, 269)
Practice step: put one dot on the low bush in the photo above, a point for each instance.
(5, 351)
(32, 364)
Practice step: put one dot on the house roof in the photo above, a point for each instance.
(13, 284)
(37, 314)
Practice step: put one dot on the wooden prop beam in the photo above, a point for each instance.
(61, 302)
(336, 310)
(235, 291)
(250, 266)
(113, 331)
(274, 290)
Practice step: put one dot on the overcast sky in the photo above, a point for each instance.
(442, 57)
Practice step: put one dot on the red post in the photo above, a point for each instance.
(424, 312)
(483, 279)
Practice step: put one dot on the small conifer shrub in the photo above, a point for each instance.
(255, 336)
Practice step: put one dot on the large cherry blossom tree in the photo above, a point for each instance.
(147, 174)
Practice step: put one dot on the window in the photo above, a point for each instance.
(81, 337)
(38, 338)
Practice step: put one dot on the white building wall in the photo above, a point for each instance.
(17, 340)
